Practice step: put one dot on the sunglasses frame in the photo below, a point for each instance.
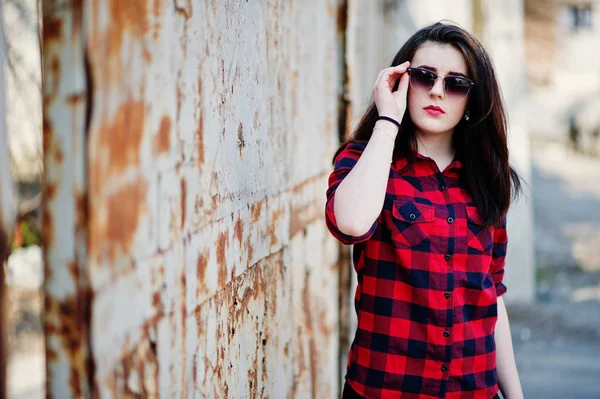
(469, 81)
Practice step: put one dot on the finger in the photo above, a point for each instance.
(390, 75)
(392, 78)
(402, 67)
(403, 85)
(384, 75)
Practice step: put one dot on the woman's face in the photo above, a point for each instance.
(445, 60)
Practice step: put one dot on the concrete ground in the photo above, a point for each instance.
(557, 339)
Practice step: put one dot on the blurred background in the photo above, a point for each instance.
(187, 149)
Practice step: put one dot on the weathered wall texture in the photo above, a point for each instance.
(208, 130)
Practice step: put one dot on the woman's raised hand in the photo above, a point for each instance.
(388, 103)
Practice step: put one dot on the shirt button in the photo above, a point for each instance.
(444, 368)
(447, 294)
(447, 257)
(450, 220)
(412, 216)
(446, 333)
(441, 188)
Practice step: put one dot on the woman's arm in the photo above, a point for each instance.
(359, 197)
(506, 367)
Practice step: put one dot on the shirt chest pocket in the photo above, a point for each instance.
(479, 236)
(411, 222)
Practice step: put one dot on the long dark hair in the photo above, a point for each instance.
(480, 143)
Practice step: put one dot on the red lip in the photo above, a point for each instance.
(434, 109)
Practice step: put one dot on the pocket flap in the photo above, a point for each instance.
(473, 215)
(411, 211)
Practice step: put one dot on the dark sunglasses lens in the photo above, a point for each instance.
(457, 87)
(422, 80)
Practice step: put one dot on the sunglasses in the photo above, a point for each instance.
(454, 86)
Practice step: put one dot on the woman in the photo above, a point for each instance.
(423, 196)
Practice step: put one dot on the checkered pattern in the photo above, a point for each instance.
(429, 275)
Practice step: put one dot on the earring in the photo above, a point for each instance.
(467, 116)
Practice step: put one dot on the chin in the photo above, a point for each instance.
(433, 127)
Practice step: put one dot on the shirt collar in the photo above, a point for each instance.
(401, 162)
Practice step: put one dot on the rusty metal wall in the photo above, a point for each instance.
(67, 299)
(187, 147)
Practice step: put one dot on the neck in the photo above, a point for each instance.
(435, 146)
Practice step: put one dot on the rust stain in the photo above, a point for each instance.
(58, 154)
(138, 371)
(47, 228)
(240, 139)
(201, 268)
(255, 211)
(49, 191)
(72, 313)
(51, 354)
(215, 201)
(223, 72)
(256, 124)
(271, 229)
(250, 250)
(179, 96)
(306, 297)
(156, 302)
(146, 55)
(157, 6)
(126, 17)
(55, 69)
(47, 135)
(238, 230)
(342, 17)
(124, 211)
(75, 99)
(121, 137)
(183, 197)
(162, 140)
(52, 29)
(303, 216)
(74, 270)
(222, 243)
(77, 7)
(81, 209)
(185, 9)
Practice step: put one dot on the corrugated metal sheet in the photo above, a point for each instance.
(210, 135)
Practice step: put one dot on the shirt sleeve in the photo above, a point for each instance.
(343, 164)
(499, 257)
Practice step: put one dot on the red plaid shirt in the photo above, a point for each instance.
(429, 275)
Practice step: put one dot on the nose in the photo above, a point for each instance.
(438, 88)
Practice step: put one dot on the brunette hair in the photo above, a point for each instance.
(480, 143)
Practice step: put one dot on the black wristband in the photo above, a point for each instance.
(387, 118)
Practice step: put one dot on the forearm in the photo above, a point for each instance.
(359, 197)
(506, 367)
